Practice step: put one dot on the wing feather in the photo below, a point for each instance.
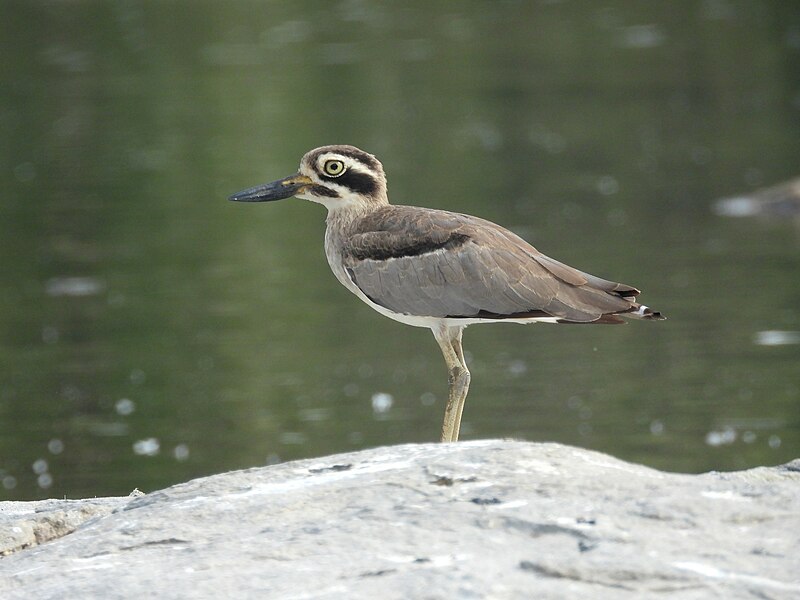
(435, 263)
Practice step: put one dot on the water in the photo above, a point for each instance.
(151, 332)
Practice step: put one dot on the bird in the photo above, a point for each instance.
(438, 269)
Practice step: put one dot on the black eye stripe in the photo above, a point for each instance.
(360, 183)
(321, 190)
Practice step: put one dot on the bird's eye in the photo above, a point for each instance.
(334, 168)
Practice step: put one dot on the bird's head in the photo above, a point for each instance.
(335, 176)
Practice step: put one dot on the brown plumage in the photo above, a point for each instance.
(448, 265)
(439, 269)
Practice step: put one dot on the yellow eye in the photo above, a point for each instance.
(334, 168)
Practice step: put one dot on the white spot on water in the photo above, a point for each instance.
(641, 36)
(550, 141)
(147, 447)
(382, 402)
(125, 406)
(574, 402)
(314, 415)
(720, 438)
(181, 452)
(741, 206)
(288, 32)
(486, 134)
(74, 286)
(776, 338)
(607, 185)
(293, 438)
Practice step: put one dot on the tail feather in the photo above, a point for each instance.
(637, 311)
(640, 311)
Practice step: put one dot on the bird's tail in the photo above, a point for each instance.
(640, 311)
(636, 311)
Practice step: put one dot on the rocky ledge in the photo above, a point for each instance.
(484, 519)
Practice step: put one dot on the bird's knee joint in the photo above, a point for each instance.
(459, 374)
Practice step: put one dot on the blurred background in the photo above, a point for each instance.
(151, 331)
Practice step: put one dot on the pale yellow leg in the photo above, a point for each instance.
(449, 339)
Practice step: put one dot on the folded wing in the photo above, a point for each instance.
(436, 263)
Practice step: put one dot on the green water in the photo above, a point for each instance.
(151, 331)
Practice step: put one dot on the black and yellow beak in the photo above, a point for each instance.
(277, 190)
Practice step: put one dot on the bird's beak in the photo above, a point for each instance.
(277, 190)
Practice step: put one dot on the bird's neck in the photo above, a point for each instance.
(343, 215)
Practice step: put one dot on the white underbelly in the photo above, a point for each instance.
(422, 320)
(433, 322)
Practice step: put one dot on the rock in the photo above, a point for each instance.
(779, 201)
(28, 524)
(484, 519)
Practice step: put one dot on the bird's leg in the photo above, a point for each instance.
(449, 339)
(463, 381)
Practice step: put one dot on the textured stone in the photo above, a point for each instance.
(486, 519)
(27, 524)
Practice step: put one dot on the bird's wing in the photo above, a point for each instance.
(435, 263)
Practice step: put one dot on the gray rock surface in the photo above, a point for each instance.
(485, 519)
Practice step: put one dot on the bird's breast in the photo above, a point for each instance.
(335, 243)
(334, 246)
